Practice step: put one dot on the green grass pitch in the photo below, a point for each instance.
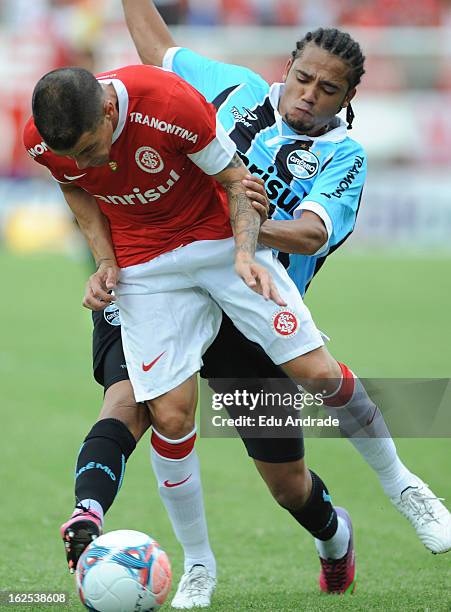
(386, 316)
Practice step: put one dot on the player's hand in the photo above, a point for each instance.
(97, 293)
(258, 279)
(256, 192)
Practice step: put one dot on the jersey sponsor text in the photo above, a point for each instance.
(137, 197)
(279, 193)
(346, 181)
(163, 126)
(38, 149)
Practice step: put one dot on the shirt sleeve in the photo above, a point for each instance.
(336, 194)
(210, 77)
(201, 137)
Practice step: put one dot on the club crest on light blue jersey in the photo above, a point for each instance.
(111, 315)
(303, 164)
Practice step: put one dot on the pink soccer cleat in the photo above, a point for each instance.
(338, 576)
(78, 532)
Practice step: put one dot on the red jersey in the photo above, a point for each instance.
(155, 191)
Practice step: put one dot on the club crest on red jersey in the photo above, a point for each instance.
(149, 160)
(285, 323)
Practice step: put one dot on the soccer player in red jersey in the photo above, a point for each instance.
(141, 159)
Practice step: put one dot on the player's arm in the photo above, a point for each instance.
(244, 219)
(245, 222)
(148, 30)
(93, 224)
(305, 235)
(96, 230)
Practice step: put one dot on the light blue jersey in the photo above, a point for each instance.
(325, 174)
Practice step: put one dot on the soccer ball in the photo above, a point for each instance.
(123, 571)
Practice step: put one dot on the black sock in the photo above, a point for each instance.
(317, 515)
(101, 462)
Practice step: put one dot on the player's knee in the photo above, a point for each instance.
(315, 371)
(173, 418)
(174, 426)
(321, 373)
(173, 412)
(324, 368)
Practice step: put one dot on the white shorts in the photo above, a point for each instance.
(171, 313)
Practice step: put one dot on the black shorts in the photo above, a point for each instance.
(108, 357)
(231, 356)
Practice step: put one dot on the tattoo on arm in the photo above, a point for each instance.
(244, 219)
(235, 162)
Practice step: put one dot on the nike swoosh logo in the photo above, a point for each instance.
(372, 418)
(148, 366)
(176, 484)
(74, 178)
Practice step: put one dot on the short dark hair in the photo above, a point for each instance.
(343, 46)
(67, 102)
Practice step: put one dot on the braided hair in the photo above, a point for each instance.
(343, 46)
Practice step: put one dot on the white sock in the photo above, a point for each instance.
(91, 504)
(184, 502)
(381, 455)
(337, 546)
(363, 424)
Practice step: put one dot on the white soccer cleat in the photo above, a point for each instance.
(429, 517)
(195, 589)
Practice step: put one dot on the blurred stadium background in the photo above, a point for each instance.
(384, 298)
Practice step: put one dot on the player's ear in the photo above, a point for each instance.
(108, 109)
(349, 96)
(287, 69)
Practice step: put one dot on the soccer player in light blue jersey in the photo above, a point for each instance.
(290, 136)
(305, 165)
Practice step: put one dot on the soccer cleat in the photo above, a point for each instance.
(426, 513)
(78, 532)
(195, 589)
(338, 576)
